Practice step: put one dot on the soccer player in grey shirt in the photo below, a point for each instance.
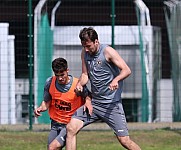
(106, 70)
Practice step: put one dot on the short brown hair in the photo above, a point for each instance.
(88, 33)
(59, 65)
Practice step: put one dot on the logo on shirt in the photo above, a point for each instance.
(99, 62)
(61, 105)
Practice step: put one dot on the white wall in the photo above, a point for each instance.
(7, 76)
(165, 93)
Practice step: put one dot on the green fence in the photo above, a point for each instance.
(173, 21)
(44, 59)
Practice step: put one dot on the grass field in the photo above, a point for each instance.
(93, 140)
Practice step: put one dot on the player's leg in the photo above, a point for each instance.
(121, 129)
(57, 137)
(55, 145)
(79, 120)
(73, 128)
(52, 135)
(128, 143)
(113, 115)
(51, 139)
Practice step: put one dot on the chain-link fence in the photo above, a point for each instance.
(136, 29)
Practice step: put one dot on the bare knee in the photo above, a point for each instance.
(54, 148)
(128, 143)
(74, 126)
(124, 140)
(55, 145)
(71, 129)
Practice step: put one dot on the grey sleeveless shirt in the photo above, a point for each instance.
(101, 73)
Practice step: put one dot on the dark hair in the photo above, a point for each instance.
(88, 33)
(59, 65)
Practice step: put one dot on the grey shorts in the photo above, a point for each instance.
(58, 132)
(112, 114)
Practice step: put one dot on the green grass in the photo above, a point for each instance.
(94, 140)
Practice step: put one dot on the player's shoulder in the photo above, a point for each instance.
(109, 52)
(108, 48)
(48, 81)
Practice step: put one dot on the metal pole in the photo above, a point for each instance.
(30, 36)
(37, 18)
(113, 20)
(53, 14)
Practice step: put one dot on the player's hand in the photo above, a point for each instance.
(88, 105)
(114, 85)
(37, 112)
(77, 92)
(79, 88)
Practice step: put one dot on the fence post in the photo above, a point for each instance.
(30, 36)
(113, 19)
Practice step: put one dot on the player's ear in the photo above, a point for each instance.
(67, 69)
(96, 42)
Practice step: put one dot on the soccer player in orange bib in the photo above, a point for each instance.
(61, 100)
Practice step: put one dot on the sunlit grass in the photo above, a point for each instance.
(94, 140)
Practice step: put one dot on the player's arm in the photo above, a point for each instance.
(84, 93)
(47, 99)
(43, 107)
(84, 76)
(87, 96)
(113, 56)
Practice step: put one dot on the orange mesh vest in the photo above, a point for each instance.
(63, 105)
